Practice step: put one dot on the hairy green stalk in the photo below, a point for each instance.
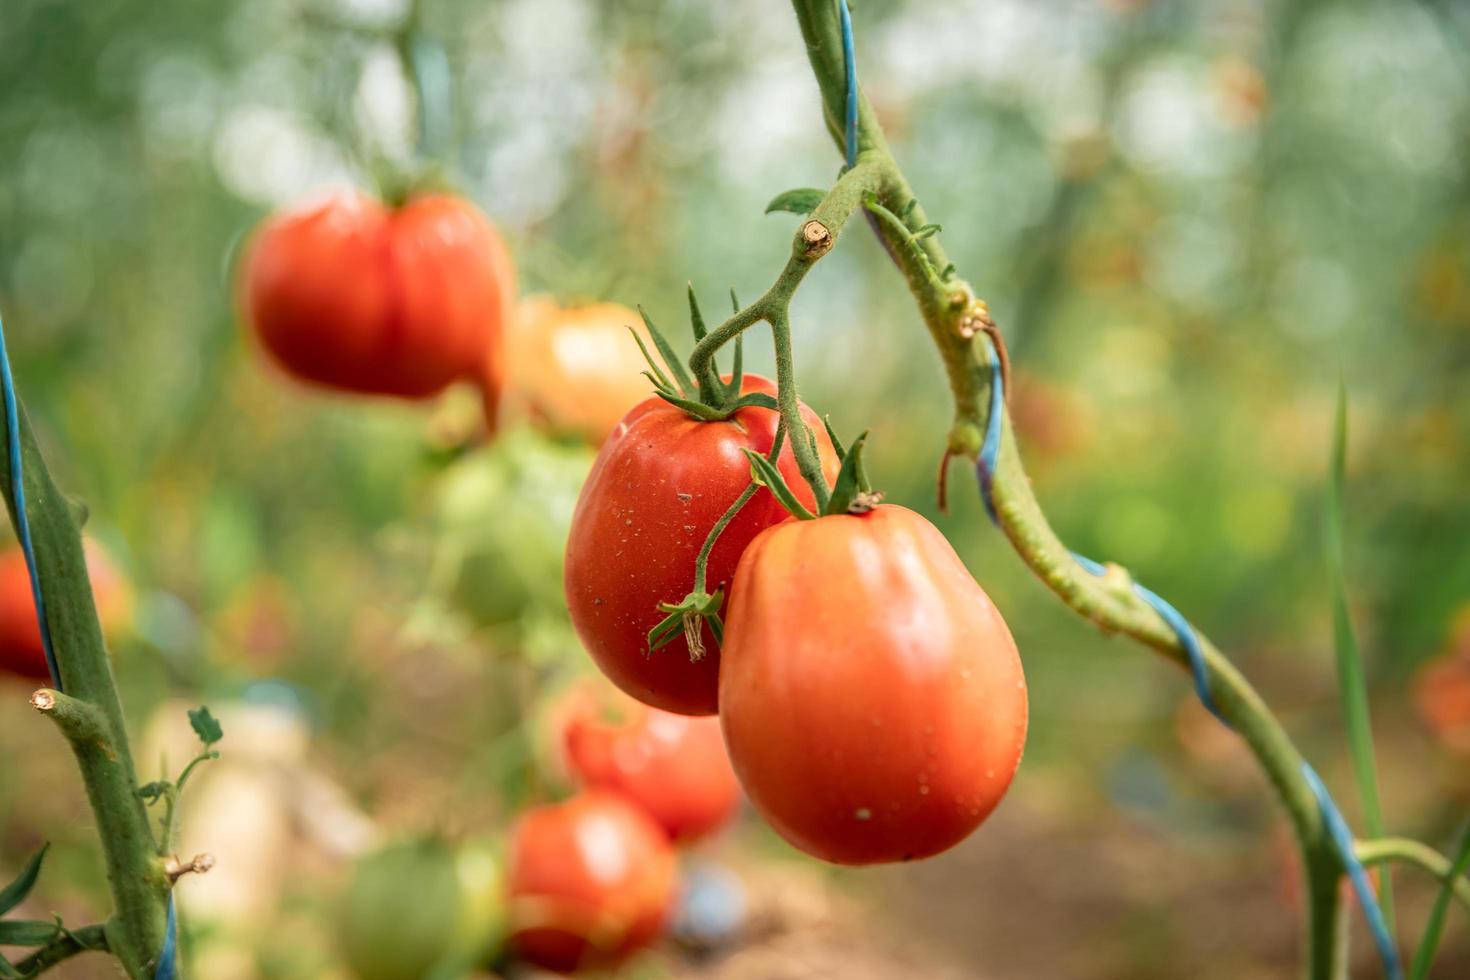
(90, 716)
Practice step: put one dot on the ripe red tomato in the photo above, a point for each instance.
(21, 651)
(402, 301)
(871, 696)
(1442, 697)
(592, 881)
(660, 483)
(575, 368)
(673, 766)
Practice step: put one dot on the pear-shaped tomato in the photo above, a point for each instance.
(660, 483)
(576, 369)
(673, 766)
(21, 651)
(871, 695)
(592, 881)
(352, 294)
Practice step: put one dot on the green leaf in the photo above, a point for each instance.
(802, 200)
(8, 972)
(926, 231)
(692, 408)
(150, 792)
(205, 725)
(667, 631)
(15, 892)
(758, 399)
(1434, 928)
(695, 319)
(832, 435)
(737, 373)
(654, 374)
(1352, 687)
(21, 932)
(671, 360)
(849, 479)
(765, 473)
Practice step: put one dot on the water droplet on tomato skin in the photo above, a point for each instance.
(863, 813)
(924, 790)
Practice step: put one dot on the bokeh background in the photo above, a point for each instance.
(1191, 220)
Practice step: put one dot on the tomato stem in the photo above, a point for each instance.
(90, 715)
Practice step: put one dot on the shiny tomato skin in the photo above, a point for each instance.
(21, 651)
(351, 294)
(576, 369)
(672, 766)
(592, 881)
(659, 484)
(871, 696)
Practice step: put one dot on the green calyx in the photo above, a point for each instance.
(853, 493)
(685, 618)
(706, 398)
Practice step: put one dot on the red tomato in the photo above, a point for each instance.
(21, 652)
(871, 696)
(351, 294)
(673, 766)
(592, 881)
(1442, 696)
(660, 483)
(575, 368)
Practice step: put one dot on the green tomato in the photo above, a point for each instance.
(504, 515)
(420, 908)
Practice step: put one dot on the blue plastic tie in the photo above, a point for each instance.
(849, 59)
(1337, 828)
(168, 959)
(1342, 842)
(22, 521)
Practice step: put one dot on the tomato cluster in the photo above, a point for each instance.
(356, 295)
(870, 695)
(583, 884)
(592, 879)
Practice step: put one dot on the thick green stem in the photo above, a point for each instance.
(814, 239)
(1107, 600)
(1422, 856)
(802, 444)
(88, 939)
(90, 716)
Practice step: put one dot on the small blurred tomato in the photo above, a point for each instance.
(576, 369)
(1442, 698)
(21, 651)
(592, 881)
(673, 766)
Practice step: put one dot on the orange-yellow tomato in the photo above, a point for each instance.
(576, 369)
(673, 766)
(592, 881)
(21, 651)
(871, 695)
(355, 295)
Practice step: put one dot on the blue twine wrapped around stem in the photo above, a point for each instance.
(849, 59)
(168, 959)
(22, 520)
(1337, 827)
